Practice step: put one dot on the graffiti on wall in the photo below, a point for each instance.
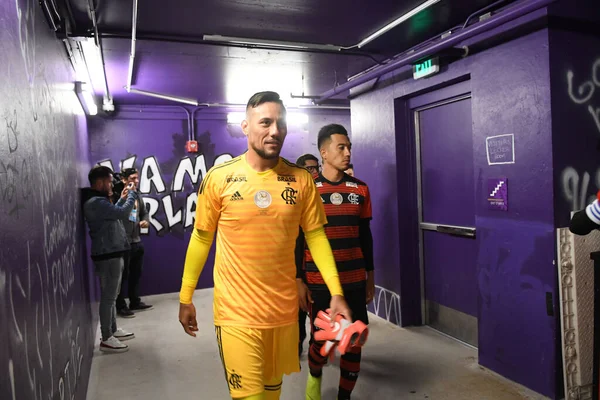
(585, 92)
(174, 205)
(578, 187)
(45, 321)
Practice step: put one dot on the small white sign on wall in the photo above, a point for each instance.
(500, 149)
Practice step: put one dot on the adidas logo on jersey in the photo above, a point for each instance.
(236, 196)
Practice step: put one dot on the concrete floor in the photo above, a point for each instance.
(164, 363)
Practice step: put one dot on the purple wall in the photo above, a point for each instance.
(158, 135)
(510, 87)
(45, 321)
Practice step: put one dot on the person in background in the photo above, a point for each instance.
(109, 244)
(311, 163)
(134, 258)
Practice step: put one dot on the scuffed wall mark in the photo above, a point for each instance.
(386, 304)
(12, 134)
(36, 348)
(42, 295)
(26, 17)
(14, 170)
(586, 91)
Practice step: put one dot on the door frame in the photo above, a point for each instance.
(411, 282)
(417, 134)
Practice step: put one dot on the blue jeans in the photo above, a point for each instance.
(109, 271)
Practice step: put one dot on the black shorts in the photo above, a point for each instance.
(356, 299)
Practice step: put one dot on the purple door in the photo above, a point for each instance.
(447, 213)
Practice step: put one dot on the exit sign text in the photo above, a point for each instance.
(426, 68)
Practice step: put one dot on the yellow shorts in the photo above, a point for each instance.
(255, 360)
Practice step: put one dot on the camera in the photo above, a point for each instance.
(118, 186)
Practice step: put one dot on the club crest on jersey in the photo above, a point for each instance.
(351, 184)
(289, 195)
(262, 199)
(353, 198)
(336, 199)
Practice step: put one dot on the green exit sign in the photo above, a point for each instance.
(426, 68)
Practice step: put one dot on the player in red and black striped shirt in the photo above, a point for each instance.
(348, 208)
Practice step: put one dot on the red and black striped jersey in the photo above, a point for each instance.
(346, 202)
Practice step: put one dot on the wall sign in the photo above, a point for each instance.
(497, 194)
(426, 68)
(500, 149)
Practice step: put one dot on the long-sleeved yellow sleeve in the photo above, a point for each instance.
(320, 249)
(195, 258)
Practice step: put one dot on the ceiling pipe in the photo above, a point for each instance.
(193, 119)
(98, 40)
(443, 35)
(270, 43)
(499, 19)
(314, 46)
(148, 93)
(322, 107)
(479, 12)
(415, 47)
(177, 39)
(187, 113)
(133, 39)
(177, 99)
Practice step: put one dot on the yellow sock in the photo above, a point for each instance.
(313, 388)
(273, 388)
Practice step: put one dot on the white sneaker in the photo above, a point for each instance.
(122, 334)
(113, 345)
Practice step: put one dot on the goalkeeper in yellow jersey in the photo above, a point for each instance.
(256, 202)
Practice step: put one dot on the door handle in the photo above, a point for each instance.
(464, 231)
(456, 230)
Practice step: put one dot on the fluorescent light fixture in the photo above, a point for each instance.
(235, 118)
(297, 119)
(271, 43)
(93, 61)
(86, 98)
(397, 22)
(91, 104)
(294, 119)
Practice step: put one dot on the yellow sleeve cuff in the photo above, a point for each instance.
(320, 249)
(195, 258)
